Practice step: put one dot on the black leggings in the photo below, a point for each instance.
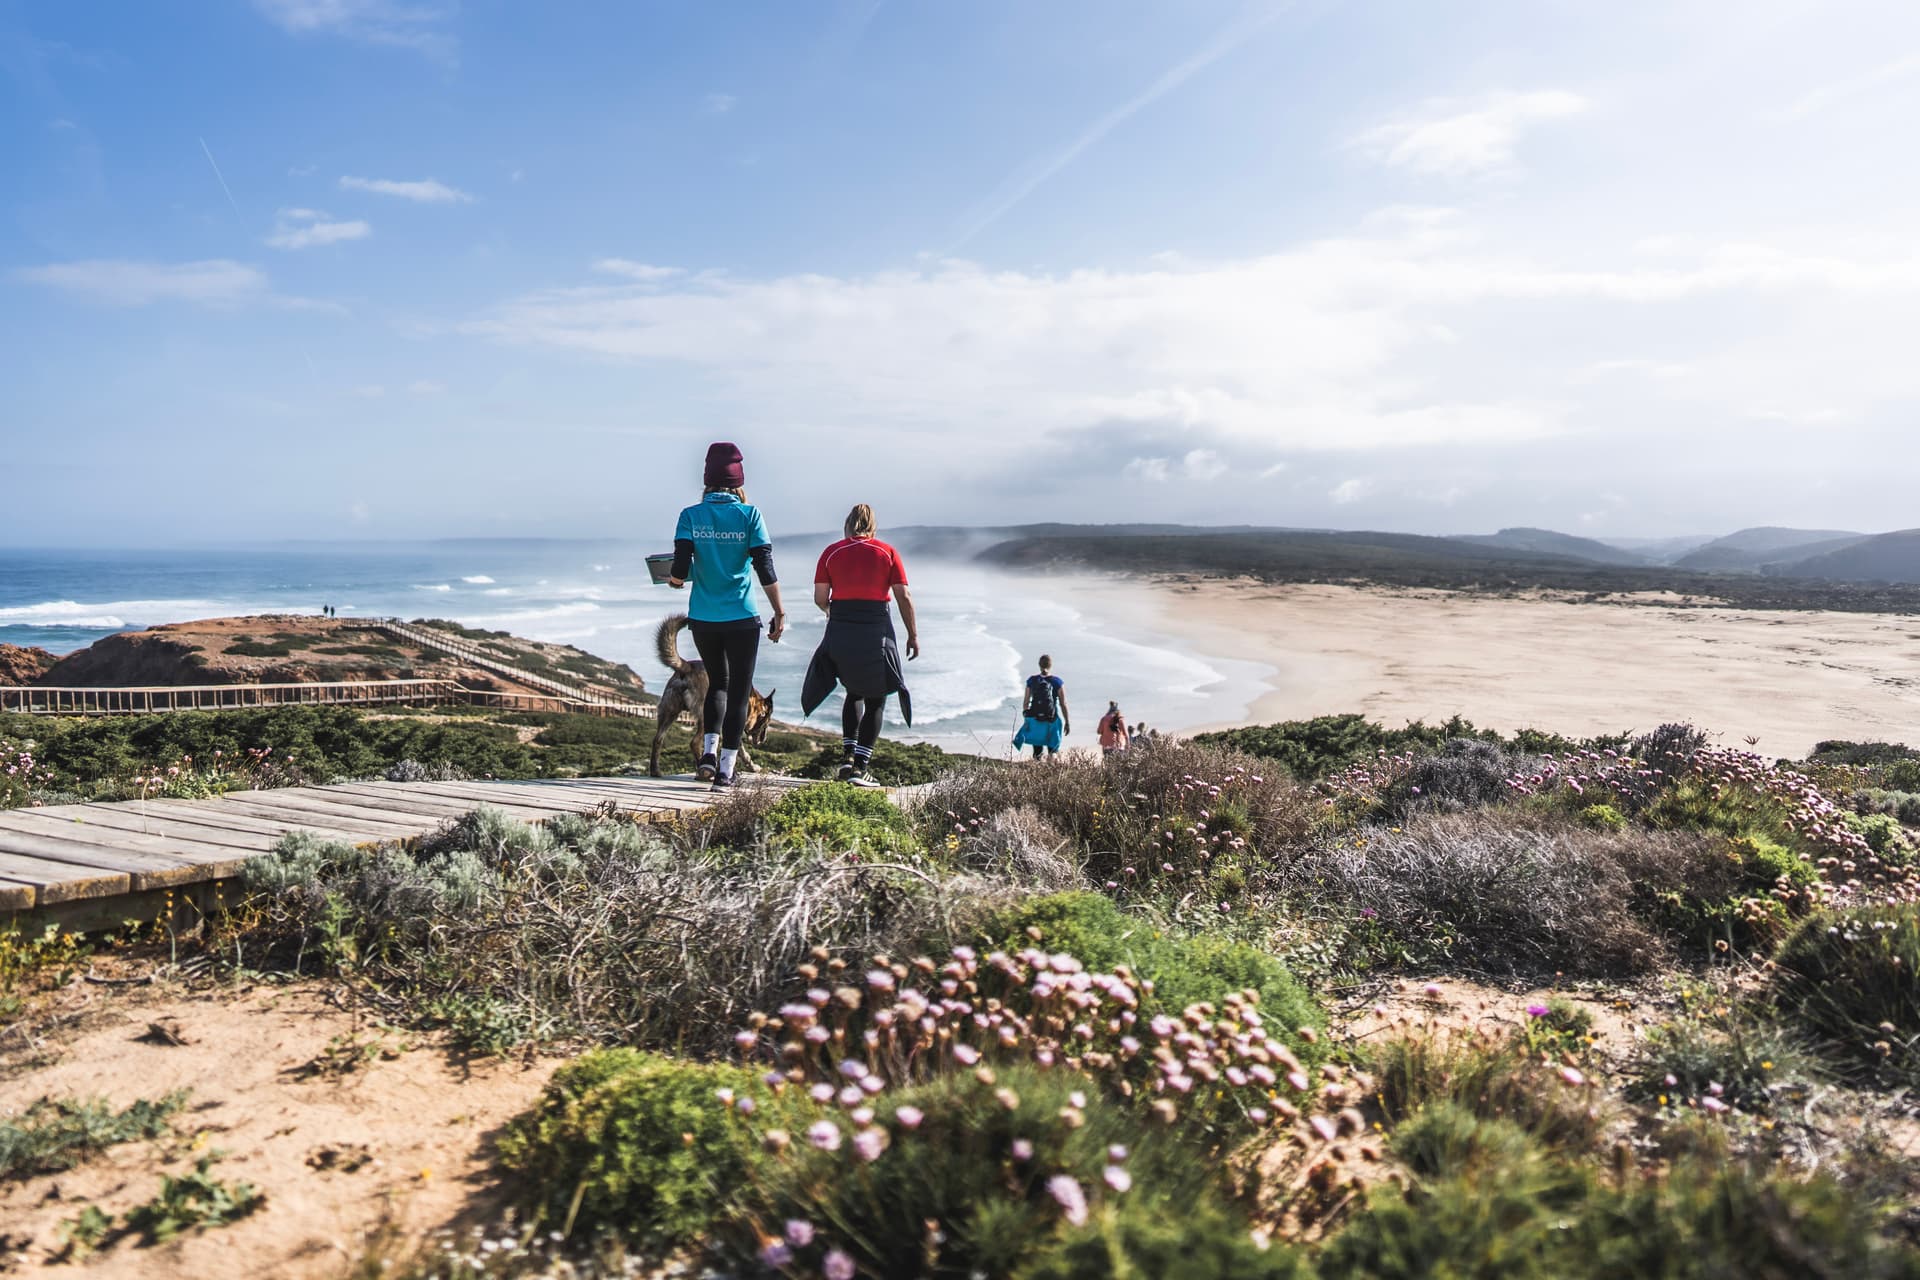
(729, 650)
(860, 719)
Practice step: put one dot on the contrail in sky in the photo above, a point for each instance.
(1221, 45)
(223, 182)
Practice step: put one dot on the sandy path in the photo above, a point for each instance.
(1789, 679)
(416, 1122)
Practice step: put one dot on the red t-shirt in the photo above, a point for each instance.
(861, 569)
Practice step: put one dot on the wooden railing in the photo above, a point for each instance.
(151, 699)
(460, 647)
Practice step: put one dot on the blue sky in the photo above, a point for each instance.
(396, 268)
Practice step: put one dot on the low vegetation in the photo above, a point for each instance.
(59, 1133)
(1090, 1018)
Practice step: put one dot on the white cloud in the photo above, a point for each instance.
(718, 104)
(424, 191)
(215, 282)
(305, 228)
(420, 27)
(1453, 139)
(1827, 95)
(1153, 470)
(1351, 490)
(641, 271)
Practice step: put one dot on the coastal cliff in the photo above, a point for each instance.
(295, 649)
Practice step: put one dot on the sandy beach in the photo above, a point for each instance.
(1787, 679)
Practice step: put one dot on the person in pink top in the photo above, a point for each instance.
(852, 584)
(1113, 730)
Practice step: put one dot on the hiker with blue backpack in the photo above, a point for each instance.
(1045, 719)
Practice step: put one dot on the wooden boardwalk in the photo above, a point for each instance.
(73, 858)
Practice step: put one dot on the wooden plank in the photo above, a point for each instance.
(202, 817)
(152, 862)
(16, 895)
(168, 825)
(298, 800)
(353, 830)
(473, 794)
(240, 818)
(61, 881)
(394, 808)
(452, 806)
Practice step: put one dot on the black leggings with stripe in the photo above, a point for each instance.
(729, 650)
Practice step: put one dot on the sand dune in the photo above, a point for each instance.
(1788, 679)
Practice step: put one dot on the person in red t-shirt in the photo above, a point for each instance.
(852, 584)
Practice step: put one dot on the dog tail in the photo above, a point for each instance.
(667, 643)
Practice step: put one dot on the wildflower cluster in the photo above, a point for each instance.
(22, 778)
(1351, 792)
(250, 769)
(850, 1064)
(1615, 775)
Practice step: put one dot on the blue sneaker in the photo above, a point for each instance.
(722, 781)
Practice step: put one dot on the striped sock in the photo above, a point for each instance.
(852, 747)
(861, 755)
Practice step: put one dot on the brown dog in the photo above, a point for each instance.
(686, 694)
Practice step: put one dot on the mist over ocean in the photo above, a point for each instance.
(981, 629)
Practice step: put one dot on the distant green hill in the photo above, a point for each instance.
(1550, 542)
(1749, 549)
(1886, 557)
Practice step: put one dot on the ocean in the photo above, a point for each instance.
(981, 629)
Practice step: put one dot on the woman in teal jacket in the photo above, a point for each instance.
(715, 543)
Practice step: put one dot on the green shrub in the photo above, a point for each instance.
(1447, 1138)
(1884, 835)
(1730, 896)
(1530, 1220)
(192, 1201)
(632, 1143)
(898, 764)
(952, 1196)
(1493, 1076)
(1849, 978)
(58, 1133)
(1184, 970)
(1198, 1243)
(1747, 1062)
(1311, 749)
(1603, 817)
(842, 817)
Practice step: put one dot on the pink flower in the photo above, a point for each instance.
(1537, 1011)
(1713, 1104)
(1572, 1076)
(965, 1054)
(799, 1232)
(837, 1265)
(1117, 1178)
(869, 1143)
(1022, 1150)
(774, 1254)
(1434, 991)
(909, 1117)
(824, 1134)
(1070, 1197)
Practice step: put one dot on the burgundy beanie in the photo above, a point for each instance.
(724, 470)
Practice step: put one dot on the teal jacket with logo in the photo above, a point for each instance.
(728, 541)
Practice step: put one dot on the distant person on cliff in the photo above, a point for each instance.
(1045, 720)
(714, 545)
(851, 585)
(1113, 730)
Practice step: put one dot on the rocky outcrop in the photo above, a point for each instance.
(136, 658)
(24, 666)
